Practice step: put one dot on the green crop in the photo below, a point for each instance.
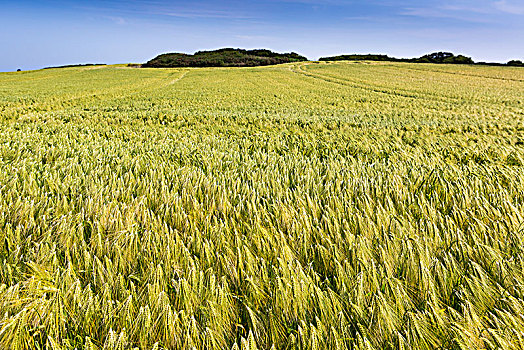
(305, 206)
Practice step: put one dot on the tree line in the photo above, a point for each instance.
(435, 57)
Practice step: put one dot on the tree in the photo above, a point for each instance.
(439, 56)
(515, 63)
(460, 59)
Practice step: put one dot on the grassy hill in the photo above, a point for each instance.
(436, 57)
(305, 206)
(223, 58)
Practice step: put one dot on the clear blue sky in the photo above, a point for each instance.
(38, 33)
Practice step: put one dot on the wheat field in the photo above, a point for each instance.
(301, 206)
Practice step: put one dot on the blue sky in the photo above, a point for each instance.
(39, 33)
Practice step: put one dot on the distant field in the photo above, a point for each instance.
(301, 206)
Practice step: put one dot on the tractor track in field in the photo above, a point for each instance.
(178, 79)
(463, 74)
(299, 69)
(114, 93)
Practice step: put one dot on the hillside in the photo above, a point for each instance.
(223, 58)
(305, 206)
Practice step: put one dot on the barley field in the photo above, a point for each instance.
(301, 206)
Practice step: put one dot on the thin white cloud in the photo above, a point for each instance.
(443, 12)
(118, 20)
(199, 14)
(480, 11)
(163, 8)
(509, 7)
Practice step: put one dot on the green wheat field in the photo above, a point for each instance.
(301, 206)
